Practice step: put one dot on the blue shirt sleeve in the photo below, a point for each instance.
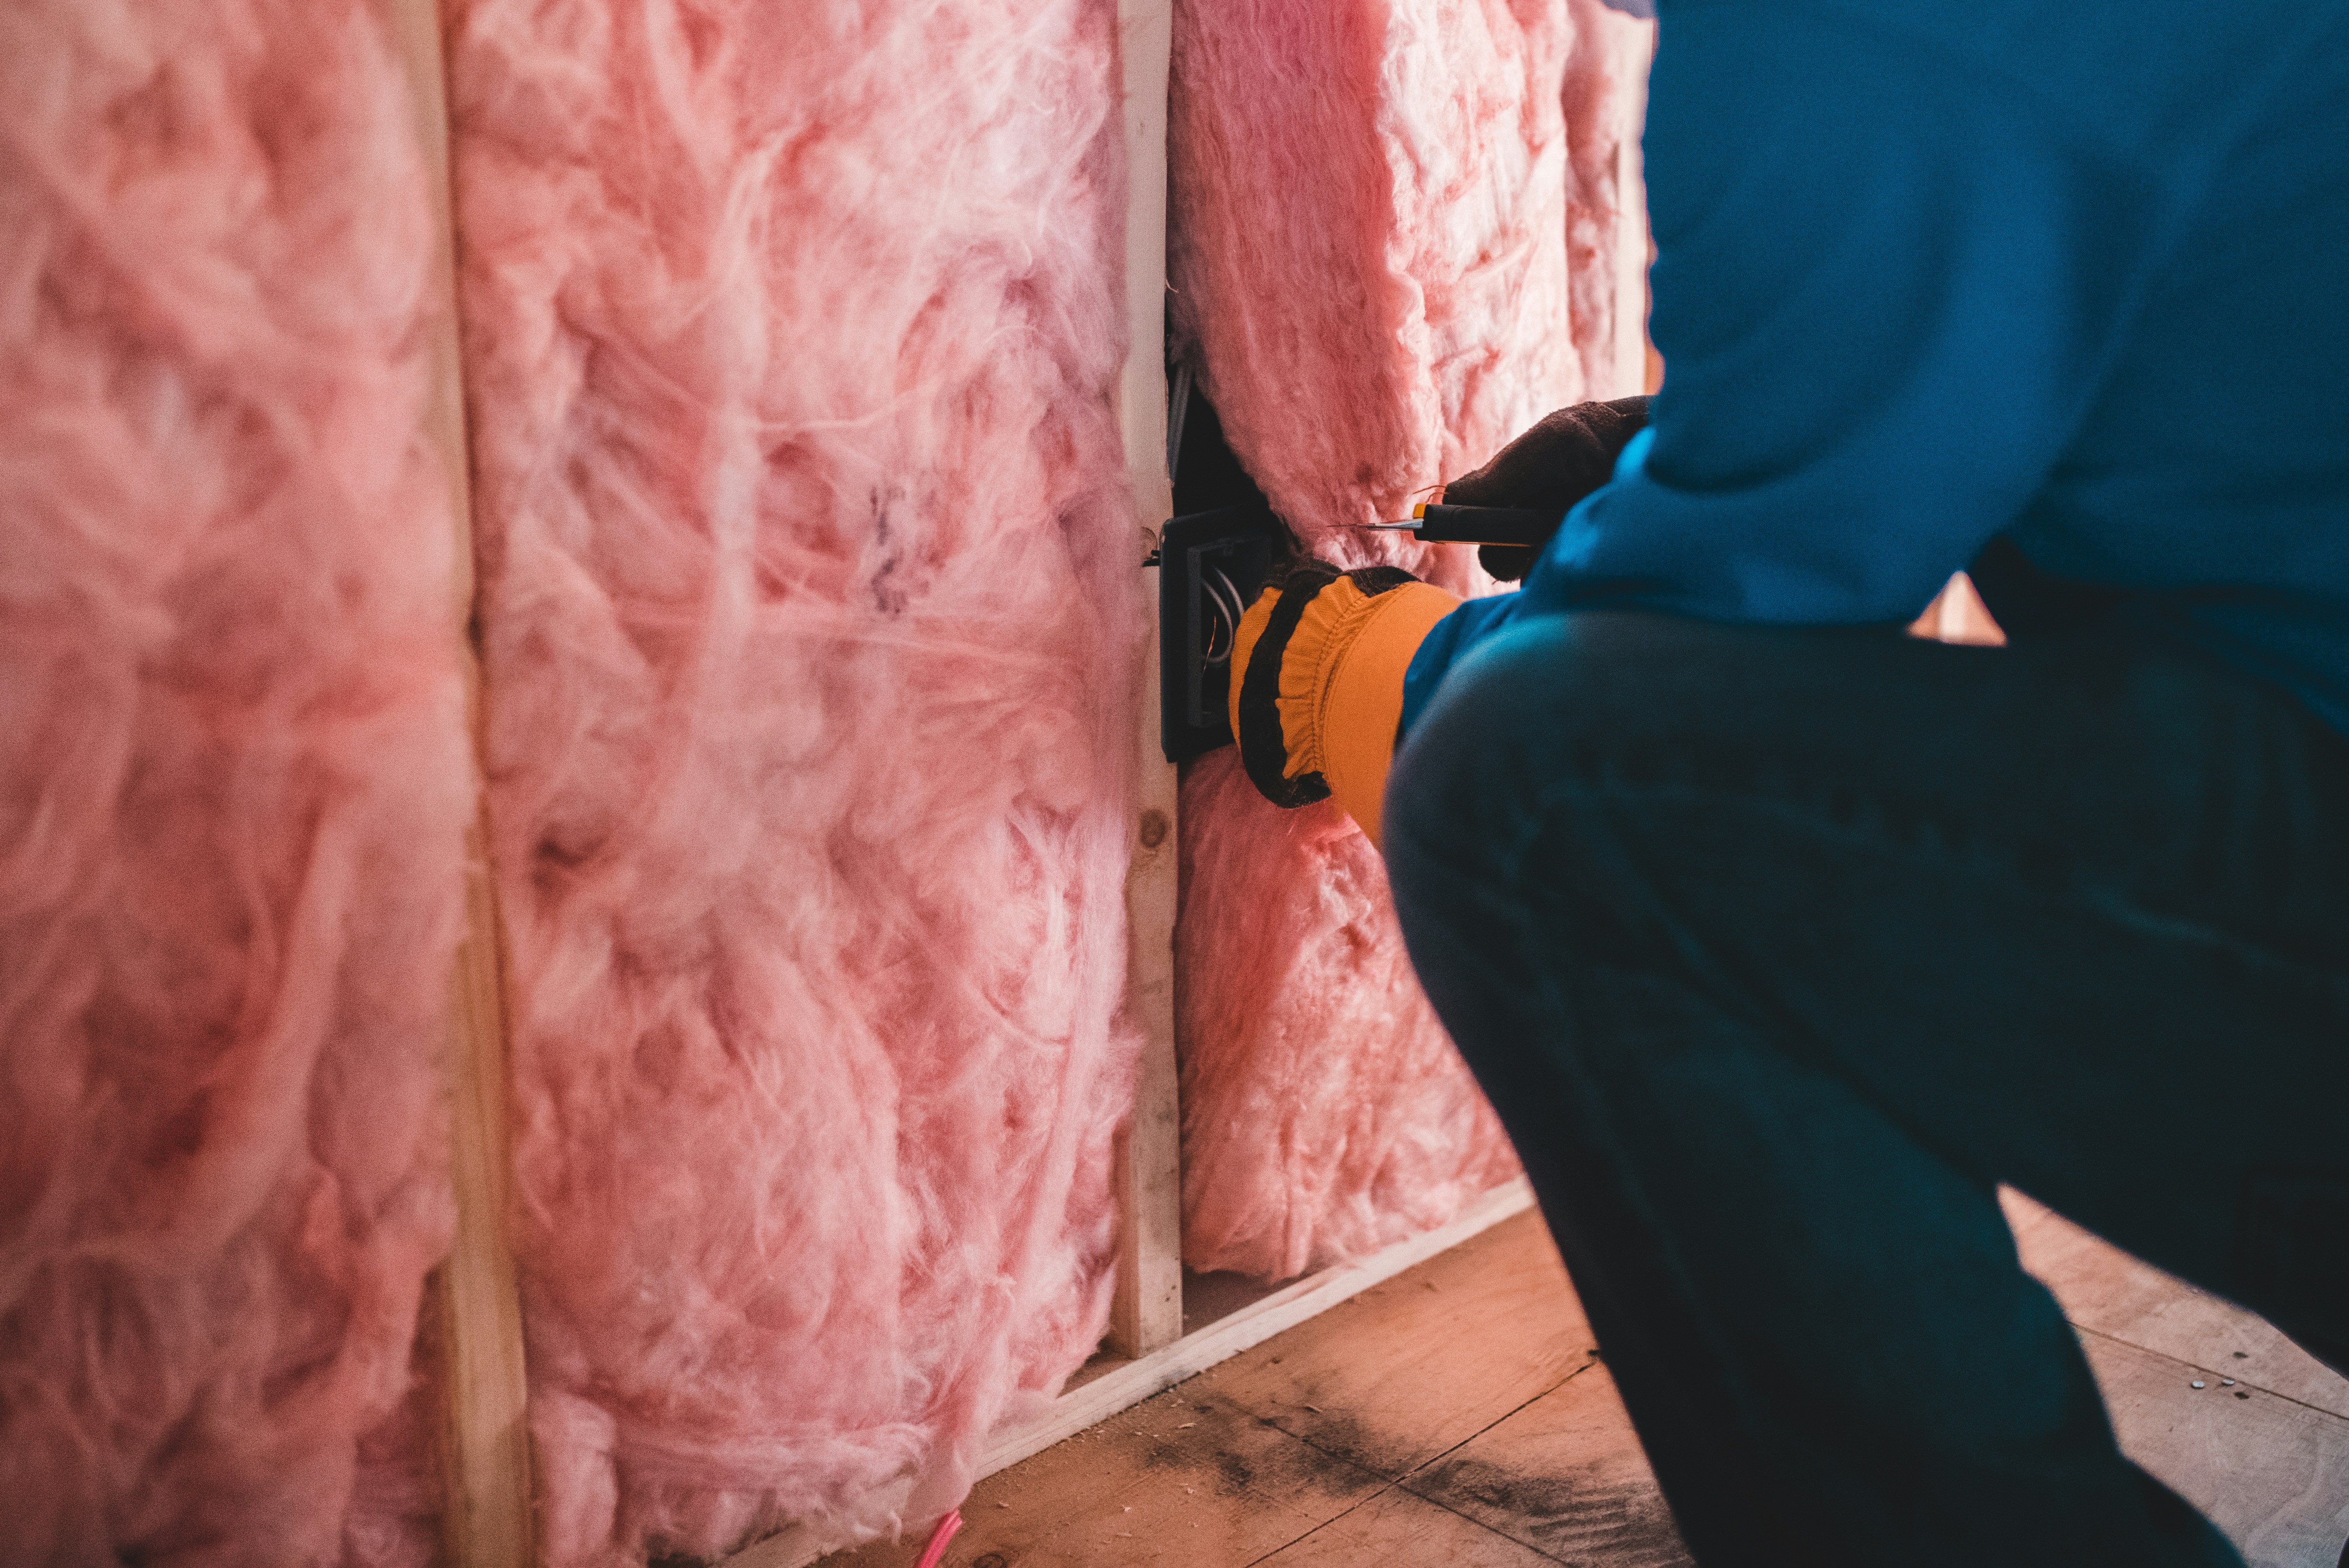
(1892, 269)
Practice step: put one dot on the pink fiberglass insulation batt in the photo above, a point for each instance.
(1339, 1117)
(233, 790)
(1394, 227)
(812, 625)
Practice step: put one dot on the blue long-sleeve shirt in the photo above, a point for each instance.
(2068, 276)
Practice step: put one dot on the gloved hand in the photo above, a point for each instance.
(1316, 687)
(1562, 459)
(1318, 667)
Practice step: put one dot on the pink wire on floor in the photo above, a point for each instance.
(935, 1552)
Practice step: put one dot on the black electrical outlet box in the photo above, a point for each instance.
(1211, 566)
(1212, 563)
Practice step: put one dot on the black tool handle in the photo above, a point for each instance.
(1440, 524)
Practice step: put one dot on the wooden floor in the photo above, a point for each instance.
(1459, 1415)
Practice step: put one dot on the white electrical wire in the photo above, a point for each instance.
(1224, 596)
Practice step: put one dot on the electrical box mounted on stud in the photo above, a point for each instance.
(1213, 559)
(1211, 566)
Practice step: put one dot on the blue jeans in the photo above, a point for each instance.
(1777, 949)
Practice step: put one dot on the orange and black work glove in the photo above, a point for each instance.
(1317, 693)
(1562, 459)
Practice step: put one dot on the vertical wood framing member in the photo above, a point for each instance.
(1146, 1311)
(486, 1394)
(1631, 351)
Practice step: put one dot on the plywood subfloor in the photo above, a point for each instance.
(1458, 1417)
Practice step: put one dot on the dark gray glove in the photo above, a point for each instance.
(1562, 459)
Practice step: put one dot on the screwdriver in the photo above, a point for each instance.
(1436, 524)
